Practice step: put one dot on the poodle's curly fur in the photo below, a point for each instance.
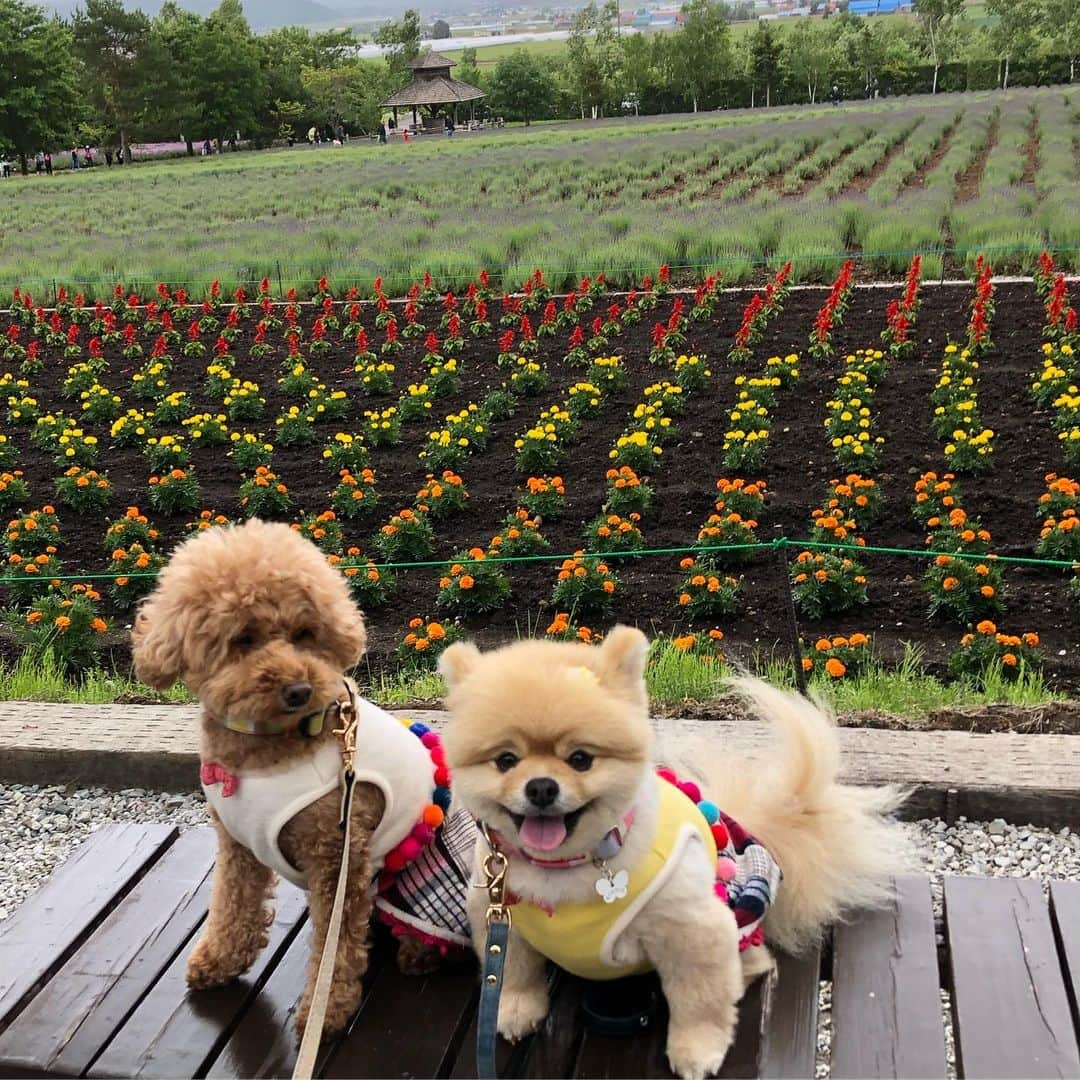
(238, 614)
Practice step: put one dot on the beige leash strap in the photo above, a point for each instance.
(309, 1045)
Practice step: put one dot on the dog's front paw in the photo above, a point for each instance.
(416, 957)
(697, 1052)
(209, 965)
(343, 1002)
(522, 1012)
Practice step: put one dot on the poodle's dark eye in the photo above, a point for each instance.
(581, 760)
(301, 636)
(243, 641)
(506, 761)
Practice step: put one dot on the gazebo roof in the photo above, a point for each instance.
(430, 59)
(432, 84)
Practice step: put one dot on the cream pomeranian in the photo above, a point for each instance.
(616, 866)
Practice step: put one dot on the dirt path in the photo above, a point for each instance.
(1032, 152)
(967, 187)
(931, 163)
(859, 185)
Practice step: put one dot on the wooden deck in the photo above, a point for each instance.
(92, 984)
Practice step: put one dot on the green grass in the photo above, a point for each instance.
(674, 678)
(570, 198)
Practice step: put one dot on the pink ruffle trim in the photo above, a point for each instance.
(402, 929)
(755, 937)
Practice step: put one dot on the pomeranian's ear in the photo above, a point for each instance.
(156, 647)
(457, 661)
(622, 656)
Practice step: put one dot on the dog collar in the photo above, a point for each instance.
(610, 845)
(309, 726)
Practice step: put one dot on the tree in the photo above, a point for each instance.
(1014, 32)
(936, 17)
(808, 54)
(1061, 24)
(175, 34)
(702, 49)
(467, 69)
(522, 87)
(349, 95)
(764, 60)
(400, 40)
(593, 55)
(117, 54)
(440, 29)
(232, 89)
(39, 91)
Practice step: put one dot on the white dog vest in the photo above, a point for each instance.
(255, 806)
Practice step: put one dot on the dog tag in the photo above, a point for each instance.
(612, 887)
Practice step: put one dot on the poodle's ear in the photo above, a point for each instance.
(156, 647)
(621, 658)
(457, 661)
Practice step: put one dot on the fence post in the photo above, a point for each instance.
(55, 294)
(280, 287)
(783, 559)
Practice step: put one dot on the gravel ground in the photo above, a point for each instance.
(39, 826)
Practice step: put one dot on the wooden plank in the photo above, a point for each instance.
(553, 1050)
(264, 1043)
(65, 1027)
(994, 775)
(789, 1041)
(408, 1025)
(51, 924)
(1011, 1011)
(1065, 909)
(886, 1004)
(177, 1033)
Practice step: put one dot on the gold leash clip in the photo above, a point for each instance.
(494, 866)
(348, 717)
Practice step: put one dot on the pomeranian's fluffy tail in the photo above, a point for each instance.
(836, 844)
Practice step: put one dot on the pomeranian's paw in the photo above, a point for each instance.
(416, 957)
(210, 965)
(521, 1012)
(697, 1052)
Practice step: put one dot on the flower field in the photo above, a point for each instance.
(741, 192)
(496, 439)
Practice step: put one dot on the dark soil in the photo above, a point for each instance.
(967, 186)
(931, 163)
(799, 467)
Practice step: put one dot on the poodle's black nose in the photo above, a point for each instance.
(296, 694)
(542, 792)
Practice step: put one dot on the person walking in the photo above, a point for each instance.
(39, 163)
(75, 158)
(108, 158)
(48, 163)
(382, 133)
(5, 167)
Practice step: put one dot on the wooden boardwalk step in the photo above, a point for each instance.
(92, 984)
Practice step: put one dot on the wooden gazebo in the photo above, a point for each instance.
(432, 85)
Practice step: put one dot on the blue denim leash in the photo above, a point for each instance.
(491, 979)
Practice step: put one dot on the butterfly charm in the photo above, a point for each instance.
(612, 887)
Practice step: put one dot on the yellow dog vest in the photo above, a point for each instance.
(581, 937)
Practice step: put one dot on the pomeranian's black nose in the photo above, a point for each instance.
(296, 694)
(542, 791)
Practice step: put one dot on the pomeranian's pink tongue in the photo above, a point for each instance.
(542, 833)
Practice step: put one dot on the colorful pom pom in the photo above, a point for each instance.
(423, 834)
(691, 791)
(720, 835)
(725, 869)
(438, 755)
(419, 729)
(433, 816)
(710, 811)
(429, 739)
(395, 861)
(666, 774)
(442, 776)
(410, 849)
(441, 797)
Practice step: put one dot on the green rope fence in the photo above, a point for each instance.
(779, 544)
